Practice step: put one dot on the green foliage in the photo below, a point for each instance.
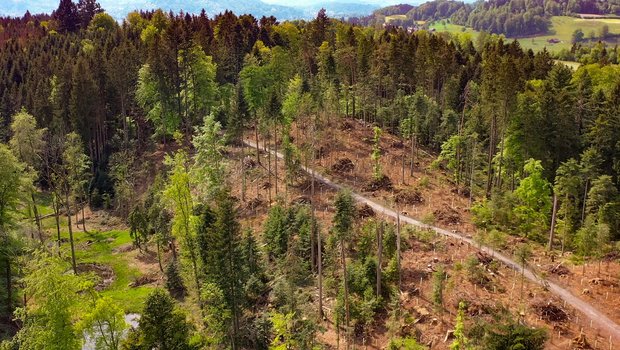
(514, 336)
(208, 169)
(217, 315)
(439, 281)
(138, 226)
(291, 332)
(475, 273)
(105, 323)
(404, 344)
(162, 325)
(124, 177)
(534, 199)
(460, 341)
(76, 166)
(345, 213)
(592, 238)
(102, 22)
(13, 178)
(292, 162)
(376, 154)
(184, 93)
(174, 282)
(48, 321)
(27, 141)
(278, 230)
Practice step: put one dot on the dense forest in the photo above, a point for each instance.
(514, 18)
(534, 145)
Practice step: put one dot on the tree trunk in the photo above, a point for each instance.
(553, 218)
(67, 206)
(268, 165)
(398, 248)
(161, 267)
(275, 159)
(522, 278)
(9, 287)
(379, 257)
(346, 288)
(35, 211)
(412, 154)
(585, 198)
(490, 157)
(403, 163)
(243, 180)
(56, 206)
(83, 220)
(257, 147)
(320, 268)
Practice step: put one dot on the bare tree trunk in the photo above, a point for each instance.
(35, 211)
(398, 248)
(412, 154)
(56, 206)
(68, 206)
(243, 180)
(403, 163)
(9, 286)
(320, 268)
(585, 198)
(346, 289)
(275, 159)
(256, 135)
(83, 220)
(379, 257)
(268, 169)
(553, 218)
(161, 267)
(490, 156)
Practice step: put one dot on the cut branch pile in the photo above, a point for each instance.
(343, 165)
(549, 311)
(383, 183)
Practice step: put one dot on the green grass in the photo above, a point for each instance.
(562, 28)
(101, 251)
(452, 28)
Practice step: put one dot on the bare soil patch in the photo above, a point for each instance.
(105, 274)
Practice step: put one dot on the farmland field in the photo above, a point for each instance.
(562, 28)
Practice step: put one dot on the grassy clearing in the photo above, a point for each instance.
(101, 247)
(452, 28)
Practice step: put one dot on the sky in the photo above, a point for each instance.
(119, 8)
(379, 3)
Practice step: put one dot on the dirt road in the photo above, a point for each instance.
(600, 320)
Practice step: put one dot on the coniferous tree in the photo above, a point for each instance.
(67, 16)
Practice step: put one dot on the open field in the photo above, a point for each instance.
(562, 28)
(391, 18)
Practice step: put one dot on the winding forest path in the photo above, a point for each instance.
(606, 325)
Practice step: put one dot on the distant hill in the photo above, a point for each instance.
(119, 8)
(513, 18)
